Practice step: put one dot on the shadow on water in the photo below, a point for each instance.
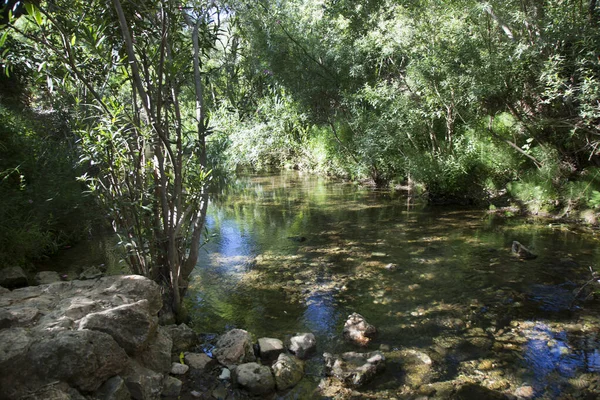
(290, 253)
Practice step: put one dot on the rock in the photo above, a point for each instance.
(143, 383)
(225, 374)
(56, 391)
(524, 392)
(113, 389)
(288, 371)
(254, 378)
(4, 290)
(40, 342)
(302, 345)
(417, 366)
(131, 325)
(234, 347)
(172, 387)
(269, 349)
(358, 331)
(84, 359)
(184, 338)
(521, 251)
(179, 369)
(198, 361)
(157, 354)
(91, 273)
(46, 277)
(354, 369)
(391, 267)
(13, 277)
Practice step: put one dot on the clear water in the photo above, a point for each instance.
(293, 253)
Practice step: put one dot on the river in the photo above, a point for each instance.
(457, 313)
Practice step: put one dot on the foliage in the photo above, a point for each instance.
(40, 199)
(134, 79)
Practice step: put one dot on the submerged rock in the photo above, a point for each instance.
(234, 347)
(288, 371)
(303, 345)
(354, 369)
(358, 331)
(521, 251)
(254, 378)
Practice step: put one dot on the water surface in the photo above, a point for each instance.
(294, 253)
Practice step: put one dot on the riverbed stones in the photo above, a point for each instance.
(131, 325)
(179, 369)
(354, 369)
(417, 366)
(198, 361)
(269, 349)
(234, 347)
(13, 277)
(171, 387)
(358, 331)
(288, 371)
(254, 378)
(302, 345)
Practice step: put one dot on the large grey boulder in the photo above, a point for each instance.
(43, 339)
(234, 347)
(131, 325)
(143, 383)
(358, 331)
(303, 345)
(288, 371)
(84, 359)
(269, 349)
(254, 378)
(354, 369)
(13, 277)
(157, 354)
(55, 391)
(113, 389)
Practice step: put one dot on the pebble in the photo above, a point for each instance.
(524, 391)
(225, 374)
(179, 369)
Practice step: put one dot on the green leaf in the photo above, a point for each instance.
(73, 39)
(3, 38)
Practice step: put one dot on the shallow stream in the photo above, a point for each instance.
(458, 315)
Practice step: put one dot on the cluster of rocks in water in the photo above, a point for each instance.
(100, 339)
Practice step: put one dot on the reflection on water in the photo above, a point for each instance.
(292, 253)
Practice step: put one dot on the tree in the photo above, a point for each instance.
(127, 71)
